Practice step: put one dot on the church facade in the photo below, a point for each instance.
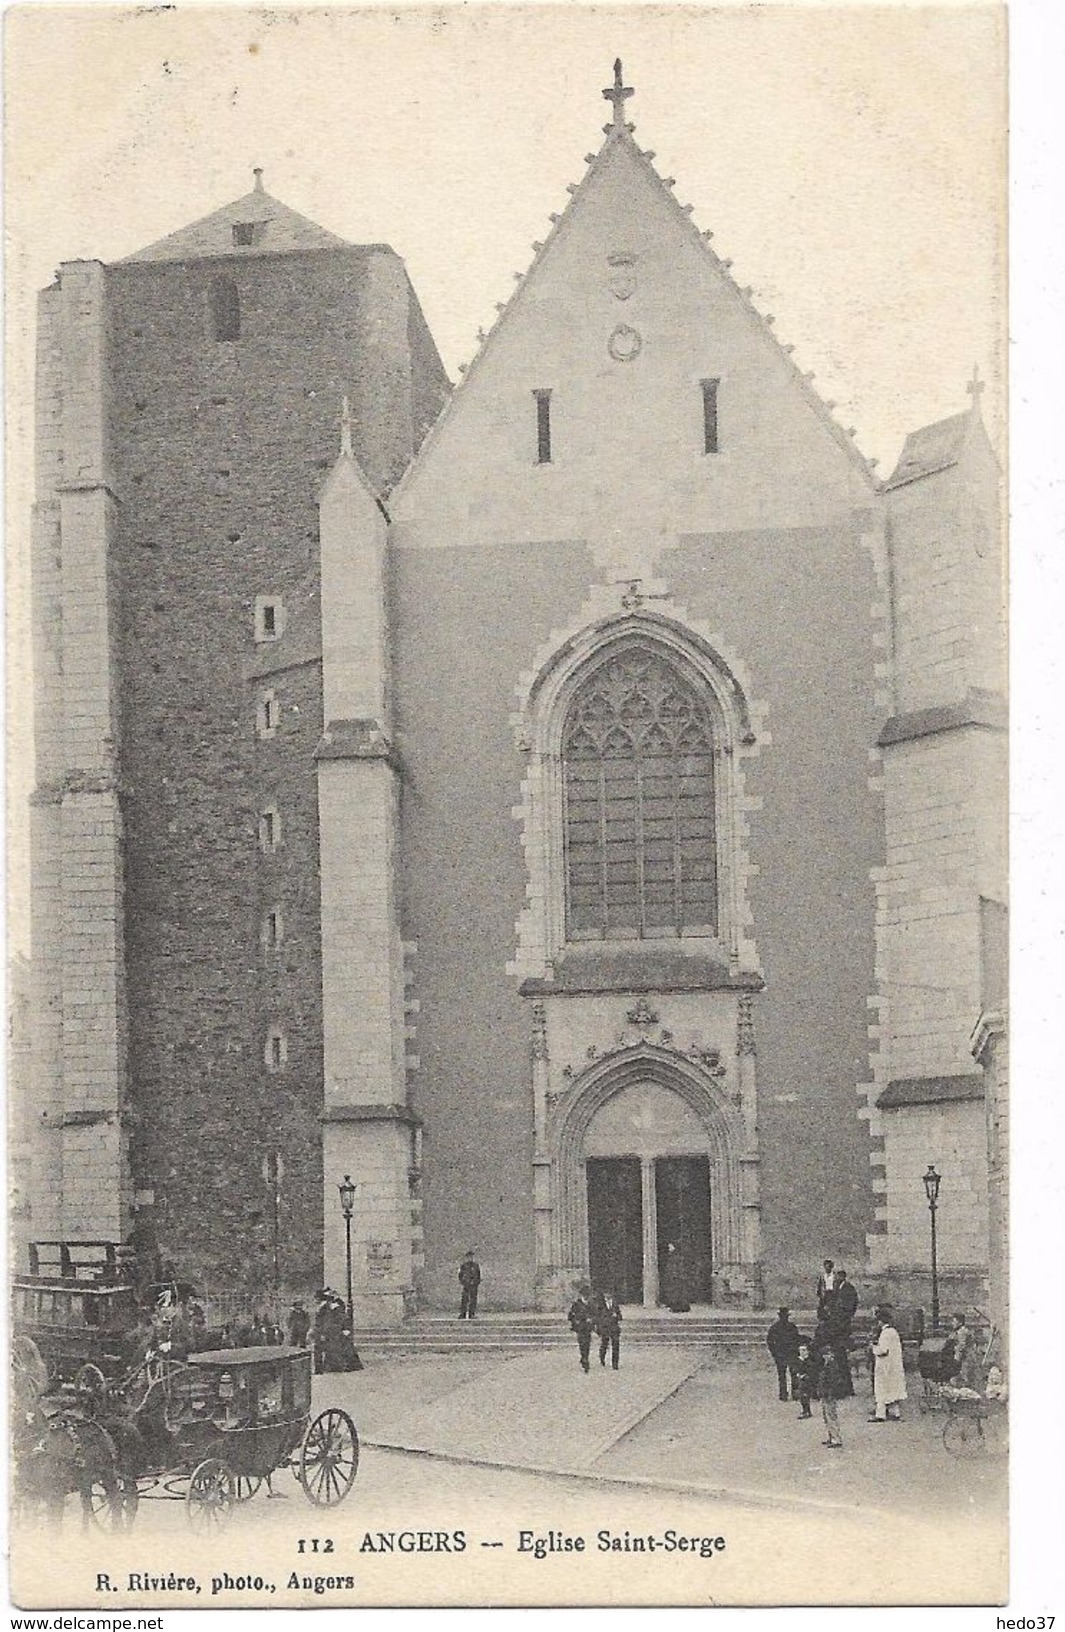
(570, 811)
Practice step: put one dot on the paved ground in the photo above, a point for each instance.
(712, 1454)
(667, 1416)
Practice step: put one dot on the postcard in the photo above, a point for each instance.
(508, 1068)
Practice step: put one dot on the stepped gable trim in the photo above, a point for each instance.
(616, 134)
(648, 969)
(984, 709)
(357, 739)
(931, 1091)
(371, 1113)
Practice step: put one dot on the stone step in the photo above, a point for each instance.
(520, 1331)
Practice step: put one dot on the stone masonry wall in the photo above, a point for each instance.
(221, 448)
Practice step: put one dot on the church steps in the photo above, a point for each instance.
(734, 1330)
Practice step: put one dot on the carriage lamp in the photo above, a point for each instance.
(347, 1207)
(931, 1181)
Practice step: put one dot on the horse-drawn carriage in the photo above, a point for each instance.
(207, 1428)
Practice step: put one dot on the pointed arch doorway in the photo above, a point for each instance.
(648, 1182)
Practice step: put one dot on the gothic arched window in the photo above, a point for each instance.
(638, 791)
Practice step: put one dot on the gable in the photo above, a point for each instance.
(623, 315)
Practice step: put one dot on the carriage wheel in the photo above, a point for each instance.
(29, 1374)
(106, 1500)
(963, 1435)
(245, 1486)
(211, 1497)
(329, 1458)
(89, 1379)
(996, 1433)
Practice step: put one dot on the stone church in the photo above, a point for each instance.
(571, 805)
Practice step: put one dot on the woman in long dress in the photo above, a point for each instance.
(889, 1378)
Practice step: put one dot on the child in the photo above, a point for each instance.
(830, 1385)
(806, 1372)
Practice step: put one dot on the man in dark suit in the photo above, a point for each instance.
(839, 1313)
(582, 1319)
(782, 1341)
(469, 1280)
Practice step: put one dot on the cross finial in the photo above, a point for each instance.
(618, 94)
(975, 387)
(258, 174)
(345, 428)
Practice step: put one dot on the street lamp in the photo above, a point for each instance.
(931, 1181)
(347, 1204)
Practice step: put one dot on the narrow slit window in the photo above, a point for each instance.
(267, 714)
(543, 427)
(269, 829)
(225, 309)
(272, 930)
(710, 395)
(276, 1052)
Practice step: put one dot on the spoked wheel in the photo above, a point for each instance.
(90, 1380)
(245, 1486)
(964, 1436)
(107, 1508)
(211, 1497)
(996, 1434)
(329, 1458)
(29, 1374)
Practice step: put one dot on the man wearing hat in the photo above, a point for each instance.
(582, 1320)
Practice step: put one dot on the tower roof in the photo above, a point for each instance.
(257, 224)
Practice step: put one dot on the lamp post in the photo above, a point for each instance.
(931, 1181)
(347, 1204)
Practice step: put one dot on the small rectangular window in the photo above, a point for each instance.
(243, 232)
(269, 617)
(543, 427)
(269, 829)
(710, 392)
(276, 1052)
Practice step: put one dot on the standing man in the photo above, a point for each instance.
(826, 1286)
(608, 1325)
(582, 1319)
(782, 1341)
(829, 1383)
(889, 1378)
(469, 1280)
(839, 1314)
(299, 1324)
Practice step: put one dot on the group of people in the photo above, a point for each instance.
(818, 1367)
(601, 1315)
(334, 1342)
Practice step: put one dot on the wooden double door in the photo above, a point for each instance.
(622, 1251)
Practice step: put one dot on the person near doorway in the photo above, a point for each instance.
(470, 1281)
(782, 1341)
(889, 1378)
(675, 1281)
(299, 1324)
(581, 1318)
(608, 1325)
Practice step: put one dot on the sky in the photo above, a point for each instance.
(849, 160)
